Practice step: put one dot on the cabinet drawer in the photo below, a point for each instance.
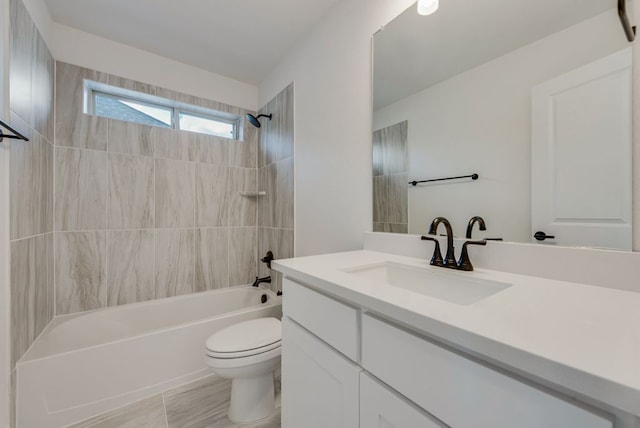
(320, 387)
(330, 320)
(381, 407)
(459, 391)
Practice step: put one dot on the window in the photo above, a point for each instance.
(131, 106)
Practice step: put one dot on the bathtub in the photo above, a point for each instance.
(89, 363)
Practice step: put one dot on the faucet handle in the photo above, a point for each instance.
(436, 260)
(464, 263)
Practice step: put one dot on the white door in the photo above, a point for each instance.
(380, 407)
(320, 387)
(581, 155)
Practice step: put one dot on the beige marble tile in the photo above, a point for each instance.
(378, 227)
(175, 262)
(31, 292)
(73, 127)
(42, 89)
(131, 266)
(278, 241)
(201, 403)
(378, 154)
(397, 210)
(80, 277)
(242, 255)
(31, 194)
(242, 209)
(80, 189)
(147, 413)
(212, 259)
(12, 399)
(212, 195)
(380, 199)
(394, 148)
(130, 138)
(275, 209)
(23, 34)
(209, 149)
(244, 152)
(131, 192)
(276, 135)
(132, 85)
(174, 194)
(172, 144)
(397, 227)
(51, 297)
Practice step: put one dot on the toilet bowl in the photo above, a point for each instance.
(247, 353)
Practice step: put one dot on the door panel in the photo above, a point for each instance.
(581, 155)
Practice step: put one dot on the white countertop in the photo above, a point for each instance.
(581, 339)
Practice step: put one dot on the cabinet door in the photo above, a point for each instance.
(380, 407)
(319, 386)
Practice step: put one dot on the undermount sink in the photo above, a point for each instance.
(436, 282)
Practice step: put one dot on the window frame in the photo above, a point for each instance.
(95, 89)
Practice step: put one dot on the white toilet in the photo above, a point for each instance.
(247, 353)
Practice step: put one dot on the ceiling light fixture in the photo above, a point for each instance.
(427, 7)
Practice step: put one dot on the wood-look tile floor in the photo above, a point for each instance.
(200, 404)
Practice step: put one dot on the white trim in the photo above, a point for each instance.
(93, 89)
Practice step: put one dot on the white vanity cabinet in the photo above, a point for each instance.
(345, 368)
(380, 407)
(322, 386)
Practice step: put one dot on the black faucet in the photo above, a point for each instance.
(258, 281)
(474, 220)
(450, 258)
(464, 263)
(436, 260)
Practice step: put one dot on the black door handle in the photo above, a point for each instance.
(541, 236)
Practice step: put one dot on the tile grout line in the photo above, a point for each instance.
(164, 406)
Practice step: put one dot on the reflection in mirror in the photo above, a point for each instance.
(534, 97)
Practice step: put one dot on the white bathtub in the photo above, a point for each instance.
(86, 364)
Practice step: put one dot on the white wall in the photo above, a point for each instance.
(4, 218)
(77, 47)
(480, 122)
(86, 50)
(332, 73)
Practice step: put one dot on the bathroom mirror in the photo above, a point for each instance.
(532, 96)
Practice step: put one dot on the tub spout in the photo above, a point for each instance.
(258, 281)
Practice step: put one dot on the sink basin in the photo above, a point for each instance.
(436, 282)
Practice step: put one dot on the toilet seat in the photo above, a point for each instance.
(245, 339)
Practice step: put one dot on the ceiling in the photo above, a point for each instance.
(241, 39)
(414, 52)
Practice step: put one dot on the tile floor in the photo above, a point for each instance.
(200, 404)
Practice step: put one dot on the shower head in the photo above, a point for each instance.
(255, 120)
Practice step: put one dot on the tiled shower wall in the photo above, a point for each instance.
(31, 182)
(144, 212)
(31, 187)
(390, 178)
(275, 176)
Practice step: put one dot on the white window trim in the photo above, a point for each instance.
(91, 89)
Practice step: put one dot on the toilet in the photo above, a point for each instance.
(248, 353)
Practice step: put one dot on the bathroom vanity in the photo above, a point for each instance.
(372, 339)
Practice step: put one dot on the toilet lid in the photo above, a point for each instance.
(246, 336)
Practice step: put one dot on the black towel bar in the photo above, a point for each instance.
(471, 176)
(16, 135)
